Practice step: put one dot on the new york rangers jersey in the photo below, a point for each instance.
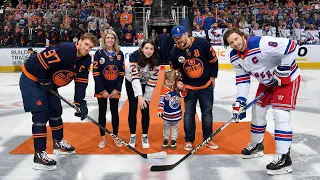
(142, 75)
(108, 72)
(170, 103)
(262, 56)
(60, 64)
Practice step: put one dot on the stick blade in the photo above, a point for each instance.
(158, 155)
(162, 167)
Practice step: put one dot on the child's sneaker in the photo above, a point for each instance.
(173, 144)
(102, 144)
(188, 146)
(43, 162)
(165, 144)
(145, 142)
(132, 141)
(62, 147)
(211, 145)
(117, 143)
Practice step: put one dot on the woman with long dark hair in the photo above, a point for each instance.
(141, 79)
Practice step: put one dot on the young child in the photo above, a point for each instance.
(169, 107)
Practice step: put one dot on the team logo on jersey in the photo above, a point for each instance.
(63, 77)
(193, 67)
(280, 97)
(118, 57)
(174, 102)
(102, 60)
(181, 59)
(110, 72)
(128, 35)
(39, 102)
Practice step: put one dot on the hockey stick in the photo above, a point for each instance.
(158, 155)
(170, 167)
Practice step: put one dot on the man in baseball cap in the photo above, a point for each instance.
(180, 36)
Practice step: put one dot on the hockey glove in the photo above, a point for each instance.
(83, 110)
(282, 75)
(45, 85)
(237, 108)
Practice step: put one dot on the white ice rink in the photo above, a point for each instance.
(15, 128)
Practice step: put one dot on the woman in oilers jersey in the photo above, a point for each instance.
(108, 73)
(141, 79)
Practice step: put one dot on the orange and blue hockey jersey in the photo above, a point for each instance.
(170, 103)
(60, 64)
(197, 63)
(108, 72)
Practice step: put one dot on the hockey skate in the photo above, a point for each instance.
(62, 148)
(253, 150)
(280, 165)
(43, 162)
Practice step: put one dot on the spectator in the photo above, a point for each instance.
(141, 79)
(164, 46)
(108, 73)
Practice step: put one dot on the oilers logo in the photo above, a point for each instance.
(193, 67)
(63, 77)
(174, 102)
(111, 72)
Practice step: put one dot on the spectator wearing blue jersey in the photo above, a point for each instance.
(170, 107)
(208, 21)
(108, 73)
(196, 59)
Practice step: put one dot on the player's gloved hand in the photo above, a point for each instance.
(83, 110)
(282, 75)
(237, 108)
(45, 85)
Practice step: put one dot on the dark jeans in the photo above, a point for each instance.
(133, 108)
(114, 104)
(205, 97)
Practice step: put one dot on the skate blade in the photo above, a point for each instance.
(283, 170)
(255, 155)
(38, 166)
(59, 152)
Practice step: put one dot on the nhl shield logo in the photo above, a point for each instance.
(102, 60)
(181, 59)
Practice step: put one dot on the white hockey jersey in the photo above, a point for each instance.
(262, 56)
(201, 34)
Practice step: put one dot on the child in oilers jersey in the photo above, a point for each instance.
(169, 107)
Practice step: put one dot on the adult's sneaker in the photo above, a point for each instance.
(145, 141)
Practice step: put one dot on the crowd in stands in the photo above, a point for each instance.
(41, 23)
(296, 20)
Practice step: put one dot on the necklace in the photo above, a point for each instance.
(110, 54)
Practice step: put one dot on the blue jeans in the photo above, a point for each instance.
(205, 97)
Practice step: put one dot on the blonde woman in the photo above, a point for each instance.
(108, 73)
